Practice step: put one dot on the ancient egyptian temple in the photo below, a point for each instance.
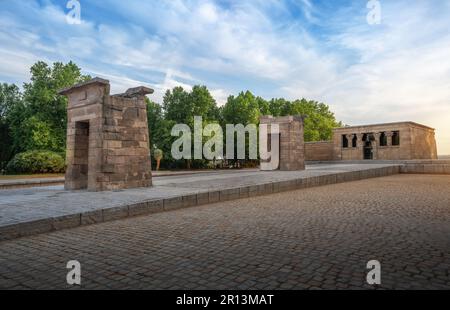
(388, 141)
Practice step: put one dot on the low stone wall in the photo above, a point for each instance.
(420, 166)
(426, 167)
(319, 151)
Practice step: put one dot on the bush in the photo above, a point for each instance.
(36, 162)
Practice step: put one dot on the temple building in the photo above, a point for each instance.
(389, 141)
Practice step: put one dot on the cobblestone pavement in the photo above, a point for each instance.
(313, 238)
(43, 204)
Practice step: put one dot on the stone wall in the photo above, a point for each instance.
(107, 138)
(424, 143)
(426, 167)
(319, 151)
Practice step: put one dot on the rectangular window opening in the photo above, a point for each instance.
(344, 141)
(396, 138)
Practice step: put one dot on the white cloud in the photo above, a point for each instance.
(220, 95)
(398, 70)
(401, 73)
(208, 12)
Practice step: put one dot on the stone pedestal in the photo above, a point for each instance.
(107, 138)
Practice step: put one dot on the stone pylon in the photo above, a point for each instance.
(107, 137)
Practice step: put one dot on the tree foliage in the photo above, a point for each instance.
(36, 118)
(180, 107)
(43, 103)
(36, 162)
(10, 97)
(242, 109)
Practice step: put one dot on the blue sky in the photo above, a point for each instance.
(322, 50)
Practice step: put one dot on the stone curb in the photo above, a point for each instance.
(60, 180)
(184, 201)
(425, 168)
(31, 183)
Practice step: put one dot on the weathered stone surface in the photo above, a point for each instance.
(291, 142)
(115, 213)
(173, 203)
(319, 151)
(214, 196)
(138, 209)
(155, 205)
(138, 91)
(67, 221)
(415, 141)
(202, 198)
(189, 200)
(107, 138)
(229, 194)
(91, 217)
(243, 192)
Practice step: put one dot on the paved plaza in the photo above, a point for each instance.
(29, 211)
(313, 238)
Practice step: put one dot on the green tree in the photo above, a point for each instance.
(263, 106)
(180, 107)
(38, 135)
(203, 104)
(176, 105)
(43, 102)
(159, 130)
(242, 109)
(155, 118)
(319, 120)
(10, 97)
(279, 107)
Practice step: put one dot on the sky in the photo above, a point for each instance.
(394, 70)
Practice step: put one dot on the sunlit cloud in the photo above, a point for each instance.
(398, 70)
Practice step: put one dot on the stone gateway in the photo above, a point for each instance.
(107, 138)
(290, 139)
